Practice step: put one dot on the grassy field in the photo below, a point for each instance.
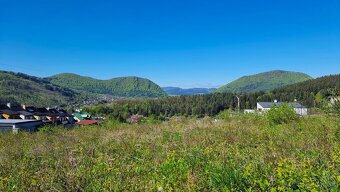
(244, 153)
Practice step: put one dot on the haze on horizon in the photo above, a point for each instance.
(188, 43)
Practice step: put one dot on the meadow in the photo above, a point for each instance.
(240, 153)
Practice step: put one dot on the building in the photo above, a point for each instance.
(15, 125)
(22, 112)
(69, 117)
(80, 116)
(298, 108)
(7, 113)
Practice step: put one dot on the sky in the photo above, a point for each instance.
(185, 43)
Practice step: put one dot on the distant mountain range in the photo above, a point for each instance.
(191, 91)
(74, 90)
(267, 81)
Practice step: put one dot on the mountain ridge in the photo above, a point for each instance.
(131, 86)
(265, 81)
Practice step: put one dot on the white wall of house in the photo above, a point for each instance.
(301, 111)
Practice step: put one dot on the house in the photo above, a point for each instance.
(80, 116)
(298, 108)
(49, 116)
(62, 116)
(7, 113)
(69, 117)
(36, 114)
(14, 125)
(22, 112)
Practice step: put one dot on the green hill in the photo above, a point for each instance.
(267, 81)
(29, 90)
(121, 87)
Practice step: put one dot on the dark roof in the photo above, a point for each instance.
(3, 107)
(31, 109)
(9, 112)
(54, 111)
(25, 113)
(62, 111)
(17, 108)
(271, 104)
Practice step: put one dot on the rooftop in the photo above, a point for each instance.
(271, 104)
(16, 121)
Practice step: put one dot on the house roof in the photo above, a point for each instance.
(9, 112)
(78, 116)
(25, 113)
(3, 107)
(17, 121)
(62, 111)
(271, 104)
(17, 108)
(31, 109)
(88, 122)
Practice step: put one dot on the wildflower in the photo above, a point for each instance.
(160, 189)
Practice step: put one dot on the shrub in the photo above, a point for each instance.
(225, 115)
(281, 114)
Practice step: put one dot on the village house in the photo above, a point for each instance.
(7, 113)
(80, 116)
(298, 108)
(70, 118)
(22, 113)
(36, 114)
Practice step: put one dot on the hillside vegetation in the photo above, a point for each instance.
(314, 92)
(122, 87)
(243, 153)
(29, 90)
(264, 82)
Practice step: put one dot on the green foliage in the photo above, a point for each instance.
(282, 114)
(225, 115)
(312, 93)
(121, 87)
(29, 90)
(264, 82)
(242, 155)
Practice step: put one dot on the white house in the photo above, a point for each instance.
(298, 108)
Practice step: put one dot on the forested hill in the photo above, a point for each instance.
(312, 86)
(29, 90)
(121, 87)
(264, 82)
(310, 93)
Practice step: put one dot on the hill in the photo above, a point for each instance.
(121, 87)
(310, 93)
(29, 90)
(264, 81)
(312, 86)
(190, 91)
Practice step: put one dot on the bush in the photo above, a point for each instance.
(225, 115)
(282, 114)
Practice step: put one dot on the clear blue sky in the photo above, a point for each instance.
(172, 42)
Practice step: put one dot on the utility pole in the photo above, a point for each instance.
(238, 104)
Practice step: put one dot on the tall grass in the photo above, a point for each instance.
(244, 153)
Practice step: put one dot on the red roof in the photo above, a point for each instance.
(88, 122)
